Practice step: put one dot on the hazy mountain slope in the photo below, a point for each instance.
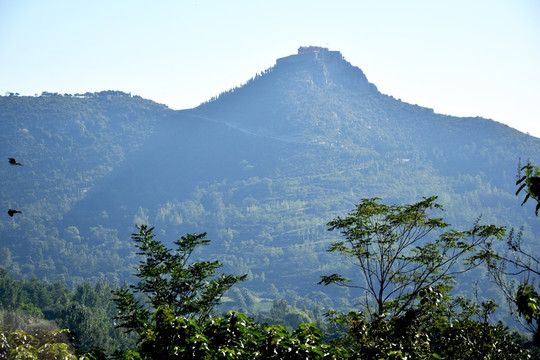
(261, 168)
(66, 144)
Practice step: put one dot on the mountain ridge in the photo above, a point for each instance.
(262, 168)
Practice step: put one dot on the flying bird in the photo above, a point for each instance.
(12, 212)
(12, 161)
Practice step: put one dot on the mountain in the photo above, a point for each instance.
(261, 168)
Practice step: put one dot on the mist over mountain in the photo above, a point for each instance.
(261, 168)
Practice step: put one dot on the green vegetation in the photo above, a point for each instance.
(531, 180)
(175, 319)
(39, 344)
(515, 268)
(406, 280)
(86, 310)
(263, 168)
(397, 265)
(168, 279)
(182, 294)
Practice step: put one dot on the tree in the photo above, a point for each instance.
(168, 278)
(175, 322)
(396, 258)
(439, 328)
(408, 261)
(37, 344)
(530, 182)
(505, 267)
(233, 336)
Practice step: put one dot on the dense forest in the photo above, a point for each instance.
(262, 169)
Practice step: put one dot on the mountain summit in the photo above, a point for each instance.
(316, 97)
(310, 90)
(328, 68)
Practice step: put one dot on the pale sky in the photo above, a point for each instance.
(458, 57)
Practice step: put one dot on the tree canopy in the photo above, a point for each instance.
(398, 255)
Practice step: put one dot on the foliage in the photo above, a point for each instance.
(408, 276)
(86, 310)
(518, 263)
(263, 168)
(190, 289)
(396, 263)
(37, 345)
(181, 294)
(303, 149)
(233, 336)
(89, 315)
(528, 301)
(531, 180)
(290, 317)
(439, 328)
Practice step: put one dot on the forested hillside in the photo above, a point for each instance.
(261, 168)
(67, 145)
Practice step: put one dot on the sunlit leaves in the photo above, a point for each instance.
(38, 344)
(528, 302)
(233, 336)
(530, 181)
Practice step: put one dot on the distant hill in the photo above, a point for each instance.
(262, 168)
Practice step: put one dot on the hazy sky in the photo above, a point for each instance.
(459, 57)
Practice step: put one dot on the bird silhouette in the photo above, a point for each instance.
(13, 162)
(12, 212)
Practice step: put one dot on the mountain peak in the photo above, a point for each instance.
(310, 53)
(310, 49)
(325, 67)
(268, 103)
